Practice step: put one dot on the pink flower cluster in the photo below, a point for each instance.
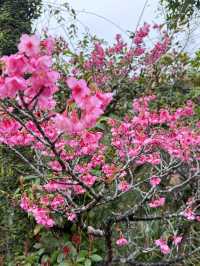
(30, 73)
(162, 244)
(190, 212)
(97, 57)
(158, 50)
(12, 134)
(120, 60)
(141, 34)
(145, 132)
(41, 215)
(157, 202)
(92, 106)
(53, 186)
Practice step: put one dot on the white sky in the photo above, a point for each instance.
(123, 13)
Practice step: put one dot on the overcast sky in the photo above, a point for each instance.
(123, 15)
(105, 18)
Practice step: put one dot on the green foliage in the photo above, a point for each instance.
(179, 12)
(57, 248)
(16, 18)
(15, 227)
(16, 230)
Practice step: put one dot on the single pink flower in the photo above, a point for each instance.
(55, 165)
(162, 244)
(88, 179)
(79, 90)
(57, 201)
(48, 44)
(159, 242)
(13, 85)
(71, 217)
(105, 98)
(177, 240)
(52, 186)
(165, 249)
(15, 64)
(155, 181)
(78, 189)
(189, 214)
(122, 241)
(123, 186)
(41, 216)
(25, 203)
(30, 45)
(45, 200)
(157, 202)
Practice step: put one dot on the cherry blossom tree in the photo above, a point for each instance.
(138, 175)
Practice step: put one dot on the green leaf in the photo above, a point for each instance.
(41, 251)
(104, 119)
(83, 253)
(80, 259)
(64, 264)
(30, 177)
(96, 258)
(54, 256)
(100, 126)
(88, 262)
(37, 246)
(96, 172)
(45, 258)
(37, 229)
(60, 258)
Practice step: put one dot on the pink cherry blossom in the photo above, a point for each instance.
(25, 203)
(48, 44)
(162, 244)
(13, 85)
(78, 189)
(105, 98)
(79, 90)
(55, 165)
(15, 65)
(58, 201)
(71, 217)
(157, 202)
(99, 161)
(155, 181)
(52, 186)
(123, 186)
(42, 217)
(45, 200)
(165, 249)
(30, 45)
(177, 240)
(189, 214)
(88, 179)
(122, 241)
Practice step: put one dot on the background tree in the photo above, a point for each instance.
(179, 12)
(16, 18)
